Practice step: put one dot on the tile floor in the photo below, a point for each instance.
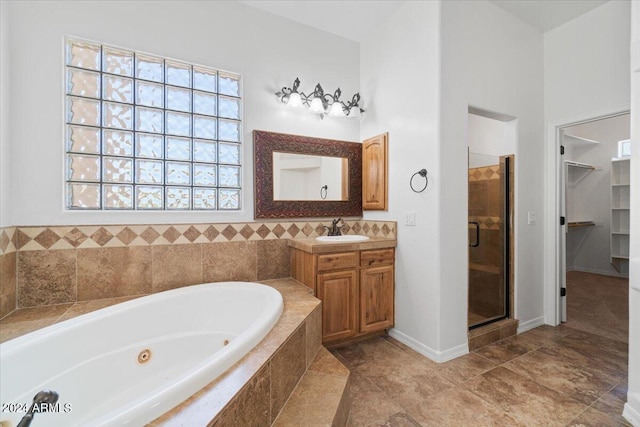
(598, 304)
(571, 375)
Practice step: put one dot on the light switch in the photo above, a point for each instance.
(531, 218)
(411, 219)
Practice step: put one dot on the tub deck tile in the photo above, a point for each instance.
(321, 398)
(26, 320)
(287, 367)
(84, 307)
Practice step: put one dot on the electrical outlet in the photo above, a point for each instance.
(411, 219)
(531, 218)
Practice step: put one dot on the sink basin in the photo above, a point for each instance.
(345, 238)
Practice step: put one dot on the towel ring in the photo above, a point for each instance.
(422, 173)
(323, 191)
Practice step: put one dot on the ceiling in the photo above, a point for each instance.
(350, 19)
(548, 14)
(355, 19)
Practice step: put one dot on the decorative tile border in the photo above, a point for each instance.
(7, 240)
(108, 236)
(484, 173)
(487, 222)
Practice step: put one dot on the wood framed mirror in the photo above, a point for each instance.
(312, 177)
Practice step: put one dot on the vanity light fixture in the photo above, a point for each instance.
(319, 102)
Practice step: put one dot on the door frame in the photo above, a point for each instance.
(554, 256)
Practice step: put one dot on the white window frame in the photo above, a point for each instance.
(624, 148)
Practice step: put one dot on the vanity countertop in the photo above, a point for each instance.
(314, 246)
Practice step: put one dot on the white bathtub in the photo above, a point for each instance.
(92, 361)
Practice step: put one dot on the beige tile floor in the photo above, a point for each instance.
(571, 375)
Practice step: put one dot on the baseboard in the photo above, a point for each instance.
(631, 414)
(530, 324)
(453, 352)
(436, 356)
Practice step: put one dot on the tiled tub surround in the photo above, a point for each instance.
(66, 264)
(255, 390)
(97, 236)
(183, 333)
(8, 262)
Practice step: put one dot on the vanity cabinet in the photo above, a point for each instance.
(338, 292)
(376, 299)
(375, 173)
(356, 288)
(376, 290)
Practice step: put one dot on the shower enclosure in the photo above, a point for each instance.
(490, 237)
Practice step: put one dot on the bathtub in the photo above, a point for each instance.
(129, 363)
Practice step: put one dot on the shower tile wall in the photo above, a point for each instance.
(64, 264)
(486, 281)
(7, 271)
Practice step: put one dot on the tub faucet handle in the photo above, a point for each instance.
(44, 396)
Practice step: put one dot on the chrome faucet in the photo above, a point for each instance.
(334, 230)
(42, 397)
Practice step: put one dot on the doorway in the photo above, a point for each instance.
(491, 166)
(594, 214)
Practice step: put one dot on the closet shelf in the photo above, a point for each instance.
(620, 256)
(579, 165)
(581, 224)
(620, 214)
(579, 140)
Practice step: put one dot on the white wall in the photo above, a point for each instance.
(400, 76)
(492, 61)
(588, 193)
(269, 52)
(490, 136)
(4, 115)
(586, 75)
(632, 407)
(586, 63)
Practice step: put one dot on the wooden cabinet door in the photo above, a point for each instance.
(374, 173)
(337, 291)
(376, 298)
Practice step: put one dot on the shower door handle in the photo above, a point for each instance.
(477, 243)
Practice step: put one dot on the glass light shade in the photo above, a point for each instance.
(295, 100)
(354, 112)
(336, 110)
(316, 106)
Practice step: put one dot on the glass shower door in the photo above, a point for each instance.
(488, 238)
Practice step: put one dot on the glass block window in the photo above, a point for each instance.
(145, 132)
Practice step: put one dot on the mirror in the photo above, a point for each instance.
(308, 177)
(299, 176)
